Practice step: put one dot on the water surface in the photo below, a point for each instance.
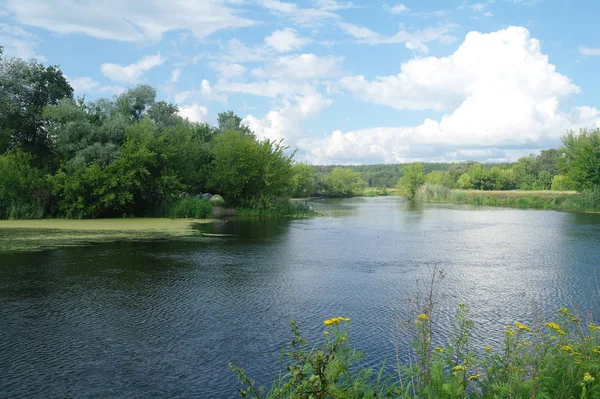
(164, 318)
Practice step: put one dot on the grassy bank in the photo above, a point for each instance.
(31, 235)
(556, 200)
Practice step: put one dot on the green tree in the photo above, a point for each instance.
(303, 180)
(249, 172)
(581, 161)
(413, 178)
(23, 192)
(342, 182)
(26, 87)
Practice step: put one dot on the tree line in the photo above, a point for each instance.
(132, 155)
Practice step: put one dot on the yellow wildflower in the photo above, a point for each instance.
(566, 348)
(596, 351)
(438, 349)
(556, 328)
(335, 320)
(423, 317)
(461, 304)
(474, 377)
(588, 378)
(487, 348)
(509, 332)
(522, 327)
(459, 368)
(574, 319)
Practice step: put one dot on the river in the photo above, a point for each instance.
(165, 318)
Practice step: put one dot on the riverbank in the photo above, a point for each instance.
(551, 200)
(32, 235)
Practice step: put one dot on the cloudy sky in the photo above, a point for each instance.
(342, 82)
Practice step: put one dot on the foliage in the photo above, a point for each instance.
(250, 172)
(581, 162)
(281, 209)
(341, 182)
(413, 177)
(190, 207)
(587, 201)
(23, 191)
(26, 87)
(303, 180)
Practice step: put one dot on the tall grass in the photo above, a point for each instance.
(588, 200)
(191, 208)
(281, 209)
(23, 210)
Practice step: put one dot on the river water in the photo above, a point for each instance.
(165, 318)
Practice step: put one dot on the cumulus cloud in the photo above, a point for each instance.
(205, 92)
(133, 72)
(285, 40)
(84, 84)
(286, 121)
(130, 21)
(412, 40)
(499, 91)
(194, 113)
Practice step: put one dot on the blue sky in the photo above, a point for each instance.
(342, 82)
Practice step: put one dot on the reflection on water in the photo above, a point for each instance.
(165, 318)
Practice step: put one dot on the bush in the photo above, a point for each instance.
(587, 200)
(217, 200)
(191, 207)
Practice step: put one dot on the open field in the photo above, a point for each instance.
(30, 235)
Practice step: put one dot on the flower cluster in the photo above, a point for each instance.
(335, 320)
(423, 317)
(556, 328)
(522, 327)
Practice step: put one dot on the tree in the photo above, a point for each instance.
(26, 87)
(22, 187)
(230, 121)
(581, 161)
(249, 172)
(342, 182)
(303, 180)
(413, 178)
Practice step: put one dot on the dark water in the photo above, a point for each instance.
(164, 319)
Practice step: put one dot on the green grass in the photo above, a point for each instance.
(33, 235)
(293, 209)
(555, 200)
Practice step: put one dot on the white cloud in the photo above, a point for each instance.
(589, 50)
(19, 43)
(132, 72)
(286, 121)
(228, 70)
(399, 9)
(194, 113)
(205, 92)
(130, 21)
(84, 85)
(500, 91)
(175, 75)
(238, 52)
(285, 40)
(305, 16)
(412, 40)
(268, 88)
(302, 67)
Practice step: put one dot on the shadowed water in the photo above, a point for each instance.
(164, 318)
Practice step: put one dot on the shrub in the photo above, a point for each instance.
(190, 207)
